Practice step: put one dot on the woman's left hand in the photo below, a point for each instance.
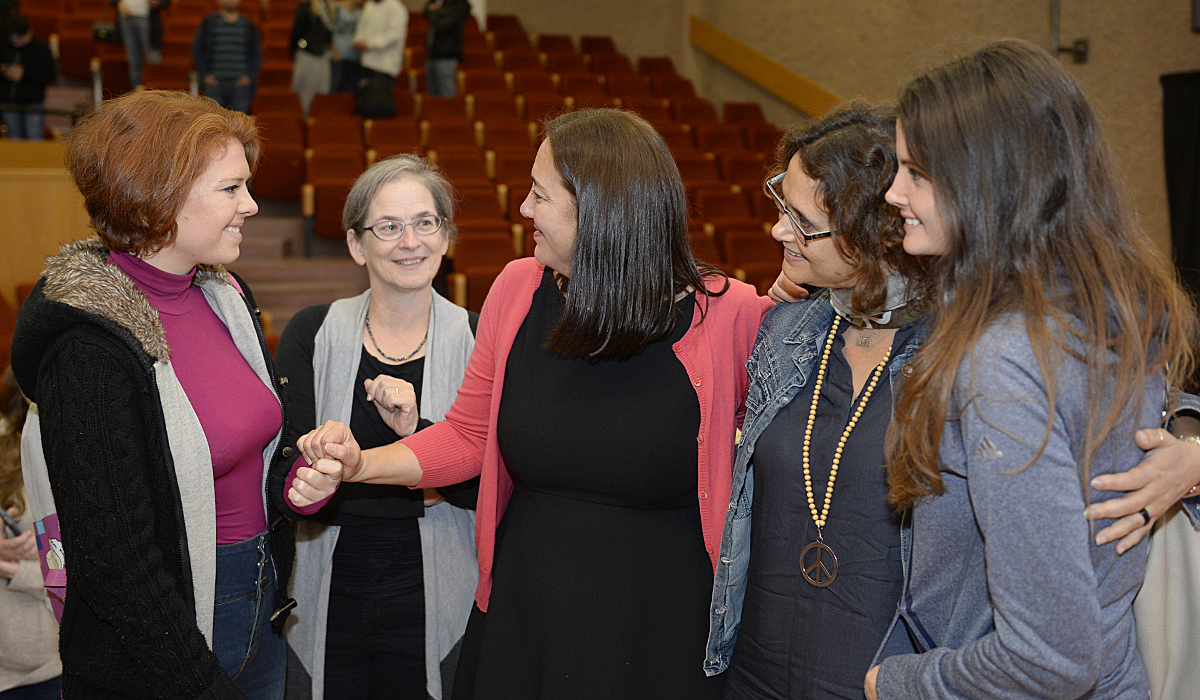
(869, 685)
(1171, 467)
(396, 401)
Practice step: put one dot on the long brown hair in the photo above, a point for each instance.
(1038, 224)
(632, 254)
(13, 407)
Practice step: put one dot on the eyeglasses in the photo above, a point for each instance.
(771, 187)
(388, 230)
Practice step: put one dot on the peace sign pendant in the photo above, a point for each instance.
(812, 565)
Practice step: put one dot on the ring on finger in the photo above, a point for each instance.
(1145, 516)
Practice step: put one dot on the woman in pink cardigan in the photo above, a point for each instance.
(600, 408)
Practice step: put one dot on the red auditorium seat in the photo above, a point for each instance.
(504, 23)
(389, 137)
(443, 108)
(581, 85)
(627, 85)
(511, 165)
(281, 167)
(672, 87)
(764, 138)
(655, 65)
(511, 42)
(478, 203)
(483, 80)
(168, 75)
(276, 99)
(652, 109)
(743, 113)
(565, 63)
(541, 106)
(555, 43)
(464, 167)
(720, 137)
(695, 111)
(704, 248)
(458, 133)
(335, 103)
(525, 82)
(331, 174)
(337, 130)
(610, 63)
(517, 61)
(744, 168)
(507, 134)
(478, 59)
(492, 105)
(596, 45)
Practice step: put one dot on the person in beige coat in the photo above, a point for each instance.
(29, 663)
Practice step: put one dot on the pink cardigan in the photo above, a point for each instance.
(714, 353)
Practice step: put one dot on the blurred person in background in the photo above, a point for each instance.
(227, 52)
(29, 665)
(26, 68)
(312, 57)
(444, 45)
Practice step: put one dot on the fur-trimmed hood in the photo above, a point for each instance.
(80, 286)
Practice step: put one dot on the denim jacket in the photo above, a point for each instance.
(785, 356)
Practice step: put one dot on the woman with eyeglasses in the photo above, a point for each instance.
(601, 407)
(811, 565)
(384, 574)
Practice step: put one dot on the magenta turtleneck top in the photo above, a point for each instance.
(240, 415)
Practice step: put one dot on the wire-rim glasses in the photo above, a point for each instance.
(389, 230)
(771, 187)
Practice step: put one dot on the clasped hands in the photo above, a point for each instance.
(332, 451)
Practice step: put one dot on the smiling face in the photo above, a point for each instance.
(912, 193)
(819, 263)
(410, 262)
(209, 226)
(554, 214)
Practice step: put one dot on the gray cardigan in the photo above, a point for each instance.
(1008, 596)
(447, 532)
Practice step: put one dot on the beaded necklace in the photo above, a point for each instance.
(388, 357)
(815, 571)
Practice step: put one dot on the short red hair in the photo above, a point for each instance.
(136, 157)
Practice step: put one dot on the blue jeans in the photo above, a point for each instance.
(135, 34)
(441, 76)
(46, 690)
(230, 95)
(248, 650)
(26, 125)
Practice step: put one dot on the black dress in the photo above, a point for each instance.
(797, 640)
(601, 584)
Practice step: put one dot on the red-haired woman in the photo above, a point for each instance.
(160, 417)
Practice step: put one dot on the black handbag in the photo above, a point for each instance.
(373, 97)
(106, 31)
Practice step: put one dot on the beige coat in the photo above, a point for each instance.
(28, 633)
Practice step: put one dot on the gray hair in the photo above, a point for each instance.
(397, 169)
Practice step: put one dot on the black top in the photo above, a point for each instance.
(294, 360)
(40, 71)
(601, 582)
(797, 640)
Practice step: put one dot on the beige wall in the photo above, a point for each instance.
(867, 47)
(861, 48)
(50, 211)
